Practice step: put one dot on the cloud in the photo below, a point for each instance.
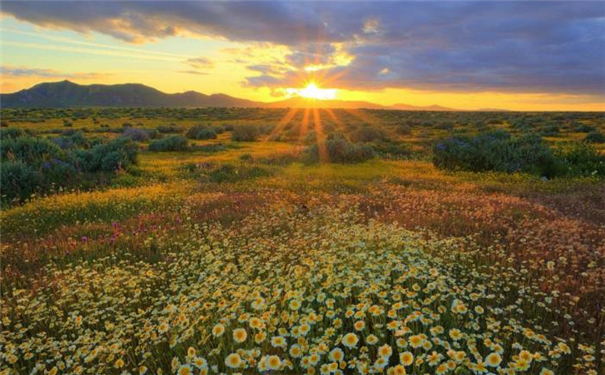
(199, 62)
(24, 72)
(514, 46)
(193, 72)
(141, 21)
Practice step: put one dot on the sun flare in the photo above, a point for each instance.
(312, 91)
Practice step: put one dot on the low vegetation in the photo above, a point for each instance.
(378, 242)
(36, 165)
(500, 152)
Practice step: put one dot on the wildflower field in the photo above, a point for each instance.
(245, 256)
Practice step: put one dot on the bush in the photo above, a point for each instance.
(71, 139)
(116, 154)
(30, 150)
(245, 133)
(392, 149)
(18, 180)
(581, 159)
(33, 164)
(404, 130)
(137, 134)
(170, 143)
(582, 128)
(12, 133)
(595, 137)
(368, 134)
(172, 128)
(339, 150)
(500, 152)
(201, 132)
(495, 151)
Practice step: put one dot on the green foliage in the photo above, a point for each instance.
(498, 151)
(494, 151)
(582, 128)
(245, 133)
(13, 133)
(31, 150)
(338, 150)
(368, 134)
(18, 180)
(595, 137)
(201, 132)
(170, 143)
(113, 155)
(34, 164)
(137, 134)
(172, 128)
(581, 159)
(72, 139)
(392, 149)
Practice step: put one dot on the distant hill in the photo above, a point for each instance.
(68, 94)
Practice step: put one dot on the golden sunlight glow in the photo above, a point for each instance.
(312, 91)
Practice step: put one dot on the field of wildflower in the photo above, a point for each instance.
(243, 259)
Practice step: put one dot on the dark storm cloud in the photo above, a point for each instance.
(509, 46)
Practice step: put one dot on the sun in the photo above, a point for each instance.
(312, 91)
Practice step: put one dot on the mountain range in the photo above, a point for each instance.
(68, 94)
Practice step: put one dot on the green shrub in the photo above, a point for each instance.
(550, 131)
(595, 137)
(12, 133)
(31, 150)
(310, 138)
(581, 159)
(172, 128)
(392, 149)
(18, 181)
(37, 165)
(170, 143)
(201, 132)
(495, 151)
(245, 133)
(404, 130)
(71, 140)
(338, 150)
(113, 155)
(368, 134)
(500, 152)
(137, 134)
(582, 128)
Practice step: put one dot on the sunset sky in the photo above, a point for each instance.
(516, 55)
